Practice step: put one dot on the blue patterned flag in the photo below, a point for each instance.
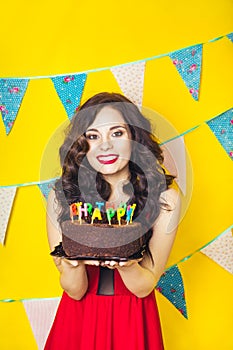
(69, 89)
(46, 187)
(188, 62)
(12, 92)
(222, 127)
(171, 286)
(230, 36)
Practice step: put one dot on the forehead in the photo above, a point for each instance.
(107, 116)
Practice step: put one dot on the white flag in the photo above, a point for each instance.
(41, 314)
(7, 195)
(130, 78)
(221, 251)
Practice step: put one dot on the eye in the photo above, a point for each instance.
(92, 136)
(117, 133)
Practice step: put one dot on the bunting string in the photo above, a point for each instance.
(229, 36)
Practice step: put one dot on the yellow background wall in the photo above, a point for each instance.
(58, 37)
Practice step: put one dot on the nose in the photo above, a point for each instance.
(106, 145)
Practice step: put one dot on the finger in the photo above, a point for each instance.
(67, 262)
(91, 262)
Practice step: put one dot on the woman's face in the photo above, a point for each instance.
(109, 142)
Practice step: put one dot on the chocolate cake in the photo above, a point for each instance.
(102, 240)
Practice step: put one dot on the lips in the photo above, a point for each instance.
(107, 159)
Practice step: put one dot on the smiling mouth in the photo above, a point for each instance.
(107, 159)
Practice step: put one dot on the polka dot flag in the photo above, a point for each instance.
(46, 188)
(12, 92)
(230, 36)
(171, 286)
(222, 127)
(188, 62)
(69, 89)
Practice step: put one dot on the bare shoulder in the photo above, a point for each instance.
(169, 216)
(171, 198)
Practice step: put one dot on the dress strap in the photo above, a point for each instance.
(106, 281)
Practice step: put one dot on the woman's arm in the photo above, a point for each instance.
(141, 278)
(73, 276)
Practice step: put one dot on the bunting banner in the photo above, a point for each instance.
(12, 92)
(222, 127)
(175, 161)
(130, 78)
(221, 251)
(7, 196)
(46, 187)
(171, 286)
(69, 89)
(230, 36)
(188, 63)
(41, 315)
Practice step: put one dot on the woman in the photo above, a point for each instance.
(110, 154)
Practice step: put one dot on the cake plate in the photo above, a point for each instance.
(59, 252)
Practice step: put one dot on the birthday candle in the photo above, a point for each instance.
(130, 212)
(99, 205)
(120, 213)
(110, 213)
(96, 214)
(89, 208)
(82, 210)
(73, 211)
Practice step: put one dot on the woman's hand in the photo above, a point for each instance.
(112, 264)
(66, 263)
(62, 263)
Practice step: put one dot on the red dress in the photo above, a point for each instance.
(106, 322)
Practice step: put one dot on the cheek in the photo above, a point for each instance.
(126, 151)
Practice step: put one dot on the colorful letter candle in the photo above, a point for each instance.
(89, 208)
(82, 210)
(129, 213)
(99, 205)
(120, 213)
(110, 213)
(73, 211)
(96, 214)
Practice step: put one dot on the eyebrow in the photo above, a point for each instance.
(113, 127)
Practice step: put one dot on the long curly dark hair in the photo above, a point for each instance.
(80, 182)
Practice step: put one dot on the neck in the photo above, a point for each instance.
(115, 180)
(117, 194)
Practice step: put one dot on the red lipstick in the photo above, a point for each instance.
(108, 158)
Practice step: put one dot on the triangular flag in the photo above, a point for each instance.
(171, 286)
(175, 161)
(12, 92)
(221, 251)
(69, 89)
(130, 78)
(46, 187)
(41, 314)
(230, 36)
(188, 62)
(7, 195)
(222, 127)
